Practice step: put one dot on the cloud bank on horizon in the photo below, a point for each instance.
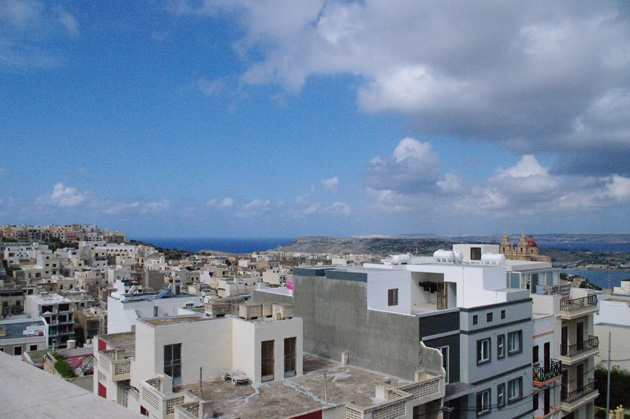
(482, 116)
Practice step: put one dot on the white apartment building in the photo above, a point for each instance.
(124, 309)
(21, 335)
(49, 262)
(236, 286)
(575, 345)
(613, 320)
(58, 313)
(141, 369)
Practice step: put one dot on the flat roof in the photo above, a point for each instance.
(165, 321)
(344, 384)
(28, 392)
(15, 328)
(125, 340)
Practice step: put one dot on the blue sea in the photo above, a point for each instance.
(600, 278)
(230, 245)
(594, 246)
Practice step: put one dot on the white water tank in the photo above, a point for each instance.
(401, 259)
(444, 256)
(493, 258)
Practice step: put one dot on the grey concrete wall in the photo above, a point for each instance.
(268, 297)
(336, 319)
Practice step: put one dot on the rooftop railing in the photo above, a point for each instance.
(578, 303)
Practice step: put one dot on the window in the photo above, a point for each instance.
(475, 253)
(173, 362)
(483, 351)
(155, 311)
(515, 342)
(289, 357)
(475, 319)
(515, 388)
(502, 314)
(501, 395)
(483, 402)
(266, 360)
(33, 348)
(392, 297)
(535, 354)
(444, 350)
(535, 402)
(17, 350)
(500, 346)
(489, 317)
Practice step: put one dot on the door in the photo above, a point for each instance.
(580, 377)
(267, 360)
(547, 360)
(547, 406)
(580, 336)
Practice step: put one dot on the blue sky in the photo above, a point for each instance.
(286, 118)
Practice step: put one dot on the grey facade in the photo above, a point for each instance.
(333, 303)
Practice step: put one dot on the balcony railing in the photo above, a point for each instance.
(157, 396)
(12, 310)
(578, 303)
(584, 390)
(542, 374)
(401, 399)
(578, 348)
(114, 362)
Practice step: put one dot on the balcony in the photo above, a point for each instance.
(571, 309)
(570, 354)
(542, 374)
(157, 397)
(114, 362)
(13, 310)
(582, 394)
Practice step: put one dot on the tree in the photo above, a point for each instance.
(619, 386)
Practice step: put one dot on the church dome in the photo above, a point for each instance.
(531, 242)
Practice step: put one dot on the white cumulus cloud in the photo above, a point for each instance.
(330, 185)
(254, 208)
(64, 196)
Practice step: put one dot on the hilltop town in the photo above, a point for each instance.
(362, 328)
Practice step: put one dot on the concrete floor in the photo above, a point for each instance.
(293, 395)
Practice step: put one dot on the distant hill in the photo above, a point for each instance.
(384, 246)
(359, 245)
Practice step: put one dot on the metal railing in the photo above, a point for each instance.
(584, 390)
(12, 310)
(542, 374)
(578, 303)
(578, 348)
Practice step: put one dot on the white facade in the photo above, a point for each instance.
(613, 320)
(59, 315)
(18, 336)
(483, 285)
(215, 345)
(143, 380)
(123, 309)
(474, 252)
